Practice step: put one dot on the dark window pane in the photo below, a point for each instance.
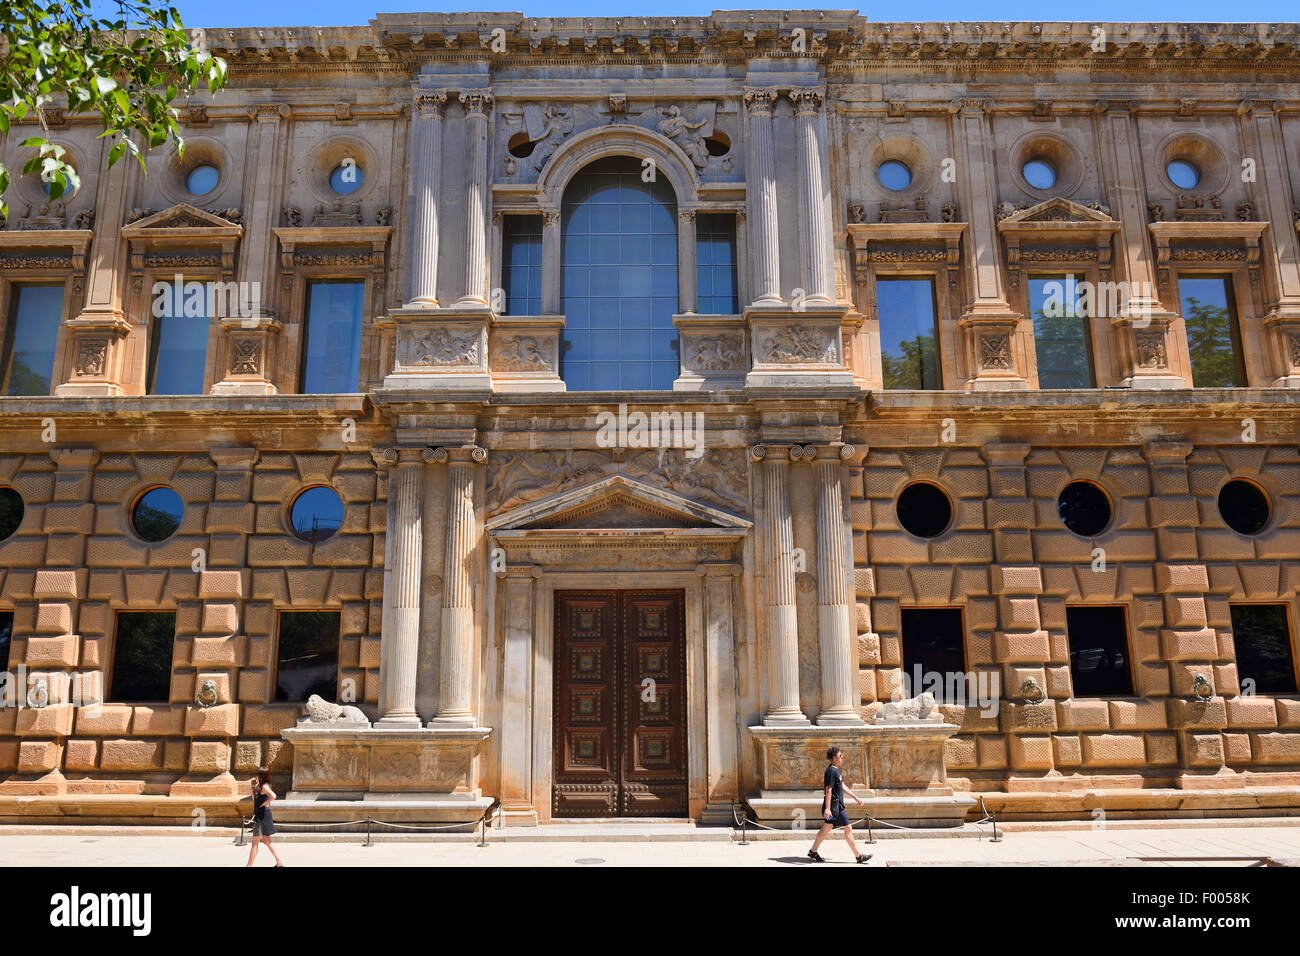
(924, 510)
(1212, 335)
(142, 657)
(1243, 506)
(332, 341)
(29, 342)
(933, 649)
(715, 257)
(1099, 661)
(316, 513)
(521, 264)
(1263, 642)
(1061, 340)
(620, 274)
(157, 514)
(1084, 508)
(180, 351)
(6, 638)
(309, 655)
(908, 333)
(11, 512)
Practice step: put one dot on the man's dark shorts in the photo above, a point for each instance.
(838, 819)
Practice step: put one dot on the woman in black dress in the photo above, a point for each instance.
(263, 825)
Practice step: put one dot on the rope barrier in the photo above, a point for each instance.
(481, 822)
(742, 821)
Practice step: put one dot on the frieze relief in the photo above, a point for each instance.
(92, 356)
(995, 351)
(1151, 349)
(520, 353)
(713, 353)
(1293, 340)
(793, 345)
(445, 347)
(246, 357)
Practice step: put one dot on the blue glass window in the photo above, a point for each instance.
(179, 344)
(1213, 339)
(1061, 340)
(619, 279)
(909, 355)
(521, 265)
(715, 263)
(347, 177)
(331, 348)
(33, 329)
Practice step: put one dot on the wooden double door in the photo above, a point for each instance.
(620, 704)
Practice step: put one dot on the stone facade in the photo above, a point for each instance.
(476, 484)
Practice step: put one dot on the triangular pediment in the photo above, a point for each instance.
(1055, 210)
(181, 216)
(613, 504)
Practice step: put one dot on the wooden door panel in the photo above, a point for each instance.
(620, 713)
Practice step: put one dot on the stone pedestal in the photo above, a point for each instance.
(897, 769)
(801, 347)
(399, 775)
(441, 348)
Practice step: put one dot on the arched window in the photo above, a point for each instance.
(619, 281)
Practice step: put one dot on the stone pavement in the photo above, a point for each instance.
(1170, 844)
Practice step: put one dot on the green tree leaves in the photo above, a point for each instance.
(128, 70)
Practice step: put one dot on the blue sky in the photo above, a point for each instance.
(262, 13)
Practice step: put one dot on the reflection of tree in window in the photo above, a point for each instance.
(1212, 335)
(142, 660)
(30, 338)
(1061, 341)
(308, 656)
(908, 354)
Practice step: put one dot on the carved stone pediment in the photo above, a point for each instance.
(183, 216)
(1055, 211)
(615, 504)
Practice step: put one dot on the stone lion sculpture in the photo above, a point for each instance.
(321, 711)
(916, 708)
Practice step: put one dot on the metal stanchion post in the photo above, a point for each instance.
(367, 843)
(871, 836)
(482, 821)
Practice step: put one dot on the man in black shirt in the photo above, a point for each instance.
(833, 807)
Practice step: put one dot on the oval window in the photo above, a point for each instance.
(316, 513)
(520, 146)
(11, 512)
(202, 180)
(894, 175)
(1084, 508)
(1183, 174)
(1243, 506)
(346, 178)
(157, 514)
(924, 510)
(1039, 173)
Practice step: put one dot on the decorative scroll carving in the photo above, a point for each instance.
(332, 259)
(995, 351)
(292, 216)
(1151, 348)
(430, 104)
(903, 252)
(1210, 253)
(50, 215)
(520, 353)
(441, 347)
(36, 262)
(793, 345)
(1196, 210)
(92, 356)
(718, 352)
(1058, 253)
(180, 261)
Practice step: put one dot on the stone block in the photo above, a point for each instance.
(868, 650)
(131, 755)
(1236, 748)
(1029, 752)
(39, 756)
(1029, 647)
(1083, 714)
(213, 651)
(959, 753)
(158, 720)
(1182, 578)
(52, 651)
(1195, 714)
(270, 719)
(53, 617)
(254, 685)
(81, 755)
(1190, 645)
(991, 751)
(57, 584)
(52, 721)
(1138, 715)
(1184, 612)
(1027, 580)
(1162, 750)
(219, 721)
(1203, 750)
(1113, 750)
(1288, 713)
(1027, 718)
(1068, 750)
(209, 756)
(221, 618)
(1251, 712)
(112, 720)
(1275, 748)
(248, 755)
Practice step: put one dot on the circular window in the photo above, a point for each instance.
(202, 180)
(316, 513)
(1244, 506)
(718, 144)
(157, 514)
(894, 175)
(346, 178)
(11, 512)
(1183, 174)
(68, 190)
(1084, 508)
(1039, 173)
(924, 510)
(520, 146)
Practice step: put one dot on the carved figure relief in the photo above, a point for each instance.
(556, 123)
(1151, 348)
(793, 345)
(717, 352)
(92, 355)
(521, 353)
(719, 478)
(684, 133)
(995, 351)
(520, 477)
(441, 347)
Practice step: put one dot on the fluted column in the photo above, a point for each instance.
(782, 622)
(456, 673)
(426, 167)
(814, 222)
(551, 264)
(762, 201)
(401, 624)
(834, 571)
(477, 103)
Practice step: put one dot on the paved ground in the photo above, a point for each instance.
(1113, 846)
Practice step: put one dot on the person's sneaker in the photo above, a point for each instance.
(863, 857)
(815, 856)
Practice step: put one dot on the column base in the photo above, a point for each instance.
(786, 720)
(451, 723)
(1155, 382)
(522, 816)
(244, 388)
(396, 722)
(853, 719)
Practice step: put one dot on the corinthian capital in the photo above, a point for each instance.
(430, 104)
(760, 100)
(806, 101)
(476, 102)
